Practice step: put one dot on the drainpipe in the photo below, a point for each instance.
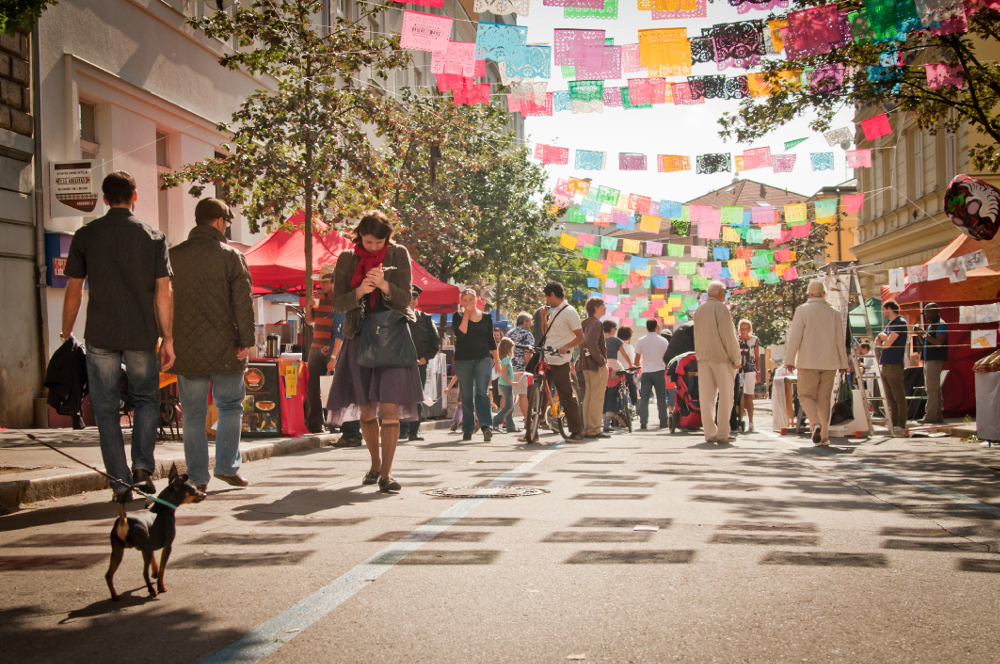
(38, 190)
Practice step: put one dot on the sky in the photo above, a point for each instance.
(668, 129)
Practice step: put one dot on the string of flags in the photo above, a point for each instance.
(589, 58)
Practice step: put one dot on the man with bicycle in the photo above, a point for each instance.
(564, 332)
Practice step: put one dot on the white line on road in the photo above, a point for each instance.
(953, 496)
(268, 637)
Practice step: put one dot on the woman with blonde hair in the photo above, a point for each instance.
(374, 277)
(475, 355)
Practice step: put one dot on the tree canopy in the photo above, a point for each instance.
(884, 69)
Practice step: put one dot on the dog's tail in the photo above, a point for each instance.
(121, 525)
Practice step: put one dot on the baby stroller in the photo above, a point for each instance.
(683, 370)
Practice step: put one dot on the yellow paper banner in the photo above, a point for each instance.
(567, 241)
(649, 224)
(630, 246)
(730, 235)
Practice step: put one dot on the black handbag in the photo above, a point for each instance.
(537, 357)
(386, 341)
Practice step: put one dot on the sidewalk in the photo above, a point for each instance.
(30, 472)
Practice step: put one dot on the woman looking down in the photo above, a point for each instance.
(372, 277)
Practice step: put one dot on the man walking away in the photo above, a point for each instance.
(350, 432)
(893, 343)
(130, 307)
(649, 352)
(935, 355)
(750, 354)
(215, 324)
(816, 348)
(718, 353)
(594, 364)
(320, 316)
(520, 334)
(425, 338)
(563, 332)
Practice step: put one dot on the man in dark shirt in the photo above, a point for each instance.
(320, 316)
(935, 355)
(893, 343)
(130, 307)
(428, 343)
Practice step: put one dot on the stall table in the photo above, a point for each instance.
(265, 381)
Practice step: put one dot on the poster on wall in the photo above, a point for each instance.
(75, 188)
(262, 405)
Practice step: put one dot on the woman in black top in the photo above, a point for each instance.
(475, 357)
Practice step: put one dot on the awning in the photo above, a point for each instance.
(277, 264)
(980, 285)
(857, 317)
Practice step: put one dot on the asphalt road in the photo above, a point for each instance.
(768, 550)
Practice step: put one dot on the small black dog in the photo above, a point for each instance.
(149, 531)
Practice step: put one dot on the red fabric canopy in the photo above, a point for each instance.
(981, 285)
(278, 263)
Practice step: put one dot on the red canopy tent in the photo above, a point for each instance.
(277, 264)
(982, 286)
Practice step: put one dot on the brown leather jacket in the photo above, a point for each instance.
(396, 265)
(213, 305)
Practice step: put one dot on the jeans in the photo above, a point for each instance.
(671, 396)
(104, 372)
(649, 381)
(314, 401)
(228, 392)
(506, 414)
(474, 384)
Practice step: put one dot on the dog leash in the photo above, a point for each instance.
(149, 496)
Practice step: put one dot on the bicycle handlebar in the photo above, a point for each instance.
(538, 349)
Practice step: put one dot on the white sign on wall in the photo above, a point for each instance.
(75, 188)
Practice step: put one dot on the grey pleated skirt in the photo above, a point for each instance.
(355, 386)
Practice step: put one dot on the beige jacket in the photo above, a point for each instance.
(816, 338)
(715, 335)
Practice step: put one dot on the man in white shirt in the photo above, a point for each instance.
(649, 355)
(564, 332)
(718, 352)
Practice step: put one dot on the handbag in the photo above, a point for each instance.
(386, 341)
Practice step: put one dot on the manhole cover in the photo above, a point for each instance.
(485, 492)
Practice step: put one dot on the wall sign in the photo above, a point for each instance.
(75, 188)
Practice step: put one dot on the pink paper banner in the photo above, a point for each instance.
(853, 202)
(783, 163)
(756, 158)
(944, 75)
(876, 127)
(859, 158)
(425, 32)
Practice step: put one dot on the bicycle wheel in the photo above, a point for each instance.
(535, 407)
(629, 415)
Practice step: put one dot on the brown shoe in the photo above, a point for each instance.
(233, 480)
(202, 493)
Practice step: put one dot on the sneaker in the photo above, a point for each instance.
(415, 437)
(454, 427)
(233, 480)
(202, 493)
(122, 497)
(750, 428)
(487, 434)
(896, 431)
(817, 434)
(642, 427)
(575, 438)
(523, 439)
(347, 441)
(823, 443)
(466, 436)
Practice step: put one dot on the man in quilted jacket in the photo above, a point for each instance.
(213, 332)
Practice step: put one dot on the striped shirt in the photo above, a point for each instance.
(322, 322)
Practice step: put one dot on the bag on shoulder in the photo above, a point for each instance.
(386, 341)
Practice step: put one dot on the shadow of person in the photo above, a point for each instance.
(309, 501)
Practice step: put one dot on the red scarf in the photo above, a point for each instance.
(366, 261)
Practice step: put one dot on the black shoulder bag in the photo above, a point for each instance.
(386, 340)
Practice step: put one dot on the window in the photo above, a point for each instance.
(918, 164)
(89, 147)
(161, 149)
(950, 140)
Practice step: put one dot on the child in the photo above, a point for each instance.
(506, 350)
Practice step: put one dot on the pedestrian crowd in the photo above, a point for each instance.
(189, 310)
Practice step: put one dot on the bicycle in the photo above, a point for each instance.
(542, 403)
(626, 410)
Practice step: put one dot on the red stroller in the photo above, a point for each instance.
(683, 370)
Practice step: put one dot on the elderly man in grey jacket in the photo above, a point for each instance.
(718, 353)
(816, 348)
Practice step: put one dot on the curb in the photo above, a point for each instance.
(17, 492)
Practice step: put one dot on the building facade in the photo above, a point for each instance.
(129, 85)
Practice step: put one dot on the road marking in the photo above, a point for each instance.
(953, 496)
(269, 636)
